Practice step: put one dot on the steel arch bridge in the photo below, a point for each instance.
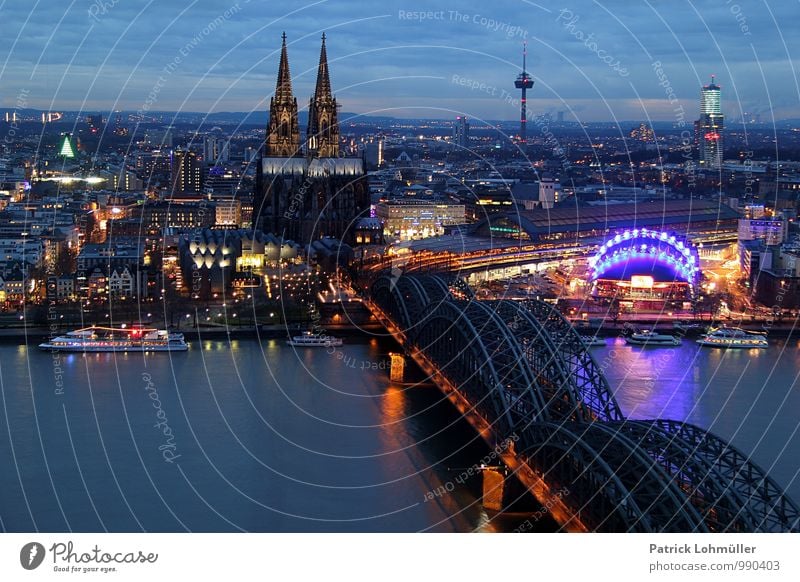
(521, 371)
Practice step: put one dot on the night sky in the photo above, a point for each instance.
(593, 60)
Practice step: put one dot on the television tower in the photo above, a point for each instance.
(524, 82)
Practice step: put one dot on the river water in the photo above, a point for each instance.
(245, 435)
(750, 398)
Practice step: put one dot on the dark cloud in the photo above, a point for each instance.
(386, 56)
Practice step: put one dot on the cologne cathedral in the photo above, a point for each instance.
(308, 190)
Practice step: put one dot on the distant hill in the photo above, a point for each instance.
(222, 117)
(260, 118)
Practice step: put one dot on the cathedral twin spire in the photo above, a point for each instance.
(322, 135)
(283, 134)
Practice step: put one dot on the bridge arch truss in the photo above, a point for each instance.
(525, 371)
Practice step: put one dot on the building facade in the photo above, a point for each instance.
(772, 232)
(709, 127)
(307, 193)
(411, 220)
(461, 133)
(187, 172)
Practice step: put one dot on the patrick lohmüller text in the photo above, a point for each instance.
(702, 549)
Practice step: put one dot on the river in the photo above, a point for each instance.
(245, 435)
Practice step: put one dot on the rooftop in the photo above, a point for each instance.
(653, 214)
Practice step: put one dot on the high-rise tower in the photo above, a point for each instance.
(186, 172)
(524, 82)
(322, 136)
(461, 133)
(283, 134)
(709, 127)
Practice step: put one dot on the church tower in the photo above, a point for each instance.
(308, 197)
(283, 134)
(322, 138)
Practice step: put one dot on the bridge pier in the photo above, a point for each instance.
(397, 370)
(500, 488)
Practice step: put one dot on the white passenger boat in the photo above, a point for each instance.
(592, 341)
(309, 339)
(733, 337)
(648, 337)
(117, 339)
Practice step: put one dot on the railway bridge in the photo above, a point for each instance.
(523, 378)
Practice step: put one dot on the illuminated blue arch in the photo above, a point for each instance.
(664, 248)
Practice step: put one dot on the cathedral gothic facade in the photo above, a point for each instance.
(308, 190)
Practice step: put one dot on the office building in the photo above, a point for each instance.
(461, 133)
(709, 128)
(186, 172)
(216, 151)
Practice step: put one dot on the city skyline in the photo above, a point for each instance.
(406, 60)
(371, 268)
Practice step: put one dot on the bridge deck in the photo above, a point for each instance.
(529, 476)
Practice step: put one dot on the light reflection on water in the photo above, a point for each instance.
(270, 439)
(322, 438)
(747, 396)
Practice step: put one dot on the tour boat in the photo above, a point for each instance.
(592, 341)
(648, 337)
(117, 339)
(733, 337)
(314, 340)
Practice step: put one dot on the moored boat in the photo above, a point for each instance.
(310, 339)
(117, 339)
(733, 337)
(649, 337)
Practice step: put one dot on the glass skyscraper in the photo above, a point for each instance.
(710, 126)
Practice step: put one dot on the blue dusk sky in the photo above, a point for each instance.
(609, 60)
